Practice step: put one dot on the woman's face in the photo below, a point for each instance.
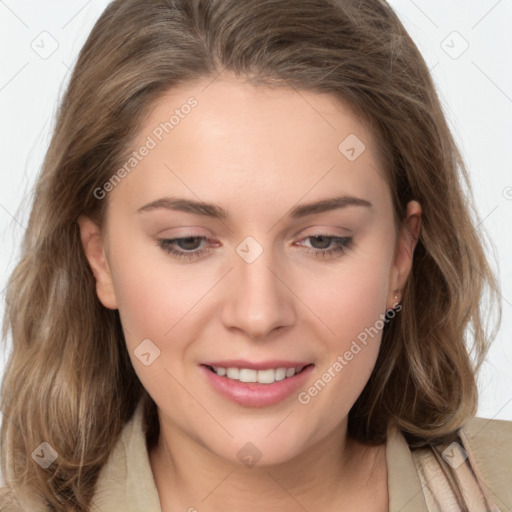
(288, 258)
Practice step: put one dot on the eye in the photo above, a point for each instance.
(187, 245)
(337, 244)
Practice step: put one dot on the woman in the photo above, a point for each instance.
(248, 274)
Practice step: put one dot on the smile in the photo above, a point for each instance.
(268, 376)
(259, 385)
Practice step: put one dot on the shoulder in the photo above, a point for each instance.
(126, 481)
(490, 441)
(488, 444)
(472, 473)
(479, 429)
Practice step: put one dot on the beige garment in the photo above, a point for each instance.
(126, 482)
(473, 474)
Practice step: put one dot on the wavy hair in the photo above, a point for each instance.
(69, 380)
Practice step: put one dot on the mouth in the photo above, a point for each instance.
(256, 384)
(252, 375)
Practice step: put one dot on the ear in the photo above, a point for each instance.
(402, 264)
(93, 245)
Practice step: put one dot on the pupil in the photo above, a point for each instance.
(322, 238)
(185, 241)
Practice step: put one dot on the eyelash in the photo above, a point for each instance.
(342, 244)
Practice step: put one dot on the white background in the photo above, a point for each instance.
(475, 89)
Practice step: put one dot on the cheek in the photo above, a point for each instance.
(357, 324)
(352, 304)
(154, 303)
(153, 294)
(352, 297)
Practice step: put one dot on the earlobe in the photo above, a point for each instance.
(93, 245)
(409, 234)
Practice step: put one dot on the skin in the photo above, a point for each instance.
(257, 152)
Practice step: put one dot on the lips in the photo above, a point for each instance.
(252, 392)
(263, 365)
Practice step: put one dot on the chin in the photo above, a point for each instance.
(259, 450)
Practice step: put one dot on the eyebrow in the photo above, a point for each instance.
(216, 212)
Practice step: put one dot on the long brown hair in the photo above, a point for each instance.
(69, 380)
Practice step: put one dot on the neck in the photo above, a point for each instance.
(336, 469)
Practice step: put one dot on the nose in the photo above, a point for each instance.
(259, 300)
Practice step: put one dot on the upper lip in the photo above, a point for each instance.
(261, 365)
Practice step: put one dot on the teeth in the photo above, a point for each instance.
(247, 375)
(261, 376)
(281, 373)
(266, 376)
(220, 371)
(233, 373)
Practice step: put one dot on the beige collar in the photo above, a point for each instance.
(404, 486)
(126, 482)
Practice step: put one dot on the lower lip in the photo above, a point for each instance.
(252, 394)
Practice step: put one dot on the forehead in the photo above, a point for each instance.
(215, 137)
